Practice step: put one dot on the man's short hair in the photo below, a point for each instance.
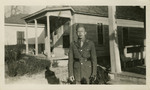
(80, 25)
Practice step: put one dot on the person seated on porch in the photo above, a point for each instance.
(33, 51)
(52, 48)
(126, 60)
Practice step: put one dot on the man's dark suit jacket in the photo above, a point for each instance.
(82, 60)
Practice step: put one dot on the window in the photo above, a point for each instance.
(20, 37)
(100, 33)
(125, 35)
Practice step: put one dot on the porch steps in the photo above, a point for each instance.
(128, 78)
(60, 52)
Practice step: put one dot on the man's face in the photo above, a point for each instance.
(81, 32)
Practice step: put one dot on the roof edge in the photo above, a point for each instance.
(23, 25)
(46, 10)
(90, 14)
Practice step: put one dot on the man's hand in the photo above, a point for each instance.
(71, 78)
(94, 77)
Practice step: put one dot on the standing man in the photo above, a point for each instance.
(82, 58)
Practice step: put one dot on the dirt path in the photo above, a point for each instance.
(38, 78)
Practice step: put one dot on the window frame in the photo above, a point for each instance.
(20, 39)
(103, 33)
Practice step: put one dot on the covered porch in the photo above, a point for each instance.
(58, 31)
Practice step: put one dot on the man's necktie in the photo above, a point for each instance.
(81, 43)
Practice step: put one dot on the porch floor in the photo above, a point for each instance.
(141, 69)
(42, 56)
(128, 78)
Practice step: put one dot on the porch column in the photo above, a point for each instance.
(53, 41)
(71, 31)
(113, 40)
(48, 38)
(36, 38)
(27, 47)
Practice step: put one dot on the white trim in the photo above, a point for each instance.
(96, 19)
(27, 44)
(36, 38)
(48, 37)
(130, 23)
(23, 25)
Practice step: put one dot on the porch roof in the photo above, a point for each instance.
(123, 12)
(42, 12)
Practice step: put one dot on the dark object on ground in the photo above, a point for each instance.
(50, 76)
(83, 81)
(71, 81)
(101, 77)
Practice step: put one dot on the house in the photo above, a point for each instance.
(63, 20)
(58, 29)
(15, 32)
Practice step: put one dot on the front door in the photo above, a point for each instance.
(66, 41)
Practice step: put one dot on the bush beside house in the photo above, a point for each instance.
(20, 64)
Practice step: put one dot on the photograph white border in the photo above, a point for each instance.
(3, 3)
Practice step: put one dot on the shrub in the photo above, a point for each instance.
(29, 65)
(12, 69)
(12, 54)
(20, 64)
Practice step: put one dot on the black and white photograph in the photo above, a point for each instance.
(75, 44)
(92, 45)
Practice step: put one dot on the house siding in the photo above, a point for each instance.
(91, 22)
(11, 34)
